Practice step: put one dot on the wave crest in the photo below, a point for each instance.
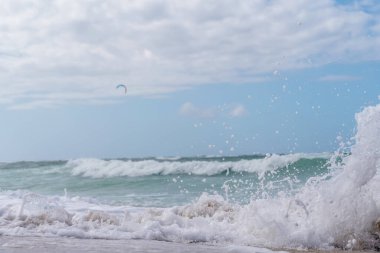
(97, 168)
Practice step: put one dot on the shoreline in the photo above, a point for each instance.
(30, 244)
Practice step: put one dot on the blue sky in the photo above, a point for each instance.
(204, 78)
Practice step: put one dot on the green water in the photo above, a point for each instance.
(52, 178)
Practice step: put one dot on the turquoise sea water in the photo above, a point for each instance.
(275, 200)
(161, 187)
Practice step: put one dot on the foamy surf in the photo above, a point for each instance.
(97, 168)
(337, 207)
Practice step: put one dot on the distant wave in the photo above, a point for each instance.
(97, 168)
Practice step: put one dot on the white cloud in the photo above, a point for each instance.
(238, 111)
(148, 54)
(81, 49)
(235, 111)
(188, 109)
(33, 105)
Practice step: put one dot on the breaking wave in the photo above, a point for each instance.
(97, 168)
(337, 209)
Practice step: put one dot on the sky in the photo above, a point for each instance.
(204, 77)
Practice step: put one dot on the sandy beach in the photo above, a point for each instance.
(12, 244)
(61, 244)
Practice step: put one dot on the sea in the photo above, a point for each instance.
(276, 201)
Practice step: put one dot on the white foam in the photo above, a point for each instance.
(97, 168)
(336, 210)
(330, 211)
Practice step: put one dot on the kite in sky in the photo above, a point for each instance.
(122, 86)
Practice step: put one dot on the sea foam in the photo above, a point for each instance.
(335, 210)
(97, 168)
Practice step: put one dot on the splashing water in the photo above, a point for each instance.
(331, 211)
(337, 207)
(325, 212)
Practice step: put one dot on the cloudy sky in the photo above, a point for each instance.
(204, 77)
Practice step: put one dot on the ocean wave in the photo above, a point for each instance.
(97, 168)
(283, 222)
(339, 210)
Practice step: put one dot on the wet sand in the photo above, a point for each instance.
(14, 244)
(61, 244)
